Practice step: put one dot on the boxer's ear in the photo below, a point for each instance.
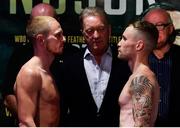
(140, 45)
(40, 38)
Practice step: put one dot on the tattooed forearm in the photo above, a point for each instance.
(141, 90)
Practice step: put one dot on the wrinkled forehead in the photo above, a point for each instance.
(98, 19)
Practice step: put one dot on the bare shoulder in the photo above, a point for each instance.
(140, 84)
(146, 74)
(28, 76)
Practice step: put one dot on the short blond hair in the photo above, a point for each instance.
(38, 25)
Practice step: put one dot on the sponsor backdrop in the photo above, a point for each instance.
(14, 15)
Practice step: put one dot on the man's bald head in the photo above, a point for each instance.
(43, 9)
(158, 13)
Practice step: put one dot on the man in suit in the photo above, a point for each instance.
(164, 61)
(94, 77)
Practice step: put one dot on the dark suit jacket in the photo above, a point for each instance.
(174, 114)
(76, 94)
(173, 118)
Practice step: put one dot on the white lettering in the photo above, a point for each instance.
(108, 9)
(78, 5)
(12, 6)
(92, 3)
(62, 7)
(27, 4)
(139, 6)
(151, 2)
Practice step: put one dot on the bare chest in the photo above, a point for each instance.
(49, 92)
(125, 97)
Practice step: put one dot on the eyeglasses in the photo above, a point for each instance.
(161, 27)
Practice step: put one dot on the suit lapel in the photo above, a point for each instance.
(109, 88)
(85, 84)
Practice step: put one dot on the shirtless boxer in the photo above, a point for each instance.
(35, 90)
(16, 61)
(140, 96)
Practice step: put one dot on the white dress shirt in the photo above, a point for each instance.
(98, 75)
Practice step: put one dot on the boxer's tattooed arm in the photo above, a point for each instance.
(141, 90)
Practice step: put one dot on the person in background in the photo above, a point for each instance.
(93, 78)
(164, 61)
(35, 90)
(140, 96)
